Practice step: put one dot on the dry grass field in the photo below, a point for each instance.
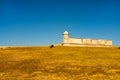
(60, 63)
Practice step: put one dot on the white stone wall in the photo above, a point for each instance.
(84, 42)
(74, 41)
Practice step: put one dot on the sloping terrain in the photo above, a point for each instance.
(60, 63)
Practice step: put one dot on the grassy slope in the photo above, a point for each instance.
(60, 63)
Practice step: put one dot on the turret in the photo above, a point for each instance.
(65, 37)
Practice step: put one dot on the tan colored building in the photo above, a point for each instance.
(67, 41)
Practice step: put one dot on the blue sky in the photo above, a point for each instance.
(42, 22)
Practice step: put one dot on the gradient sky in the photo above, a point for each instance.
(42, 22)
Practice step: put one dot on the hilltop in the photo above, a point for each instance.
(60, 63)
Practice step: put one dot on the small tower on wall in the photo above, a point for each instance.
(65, 37)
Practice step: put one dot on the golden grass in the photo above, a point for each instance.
(60, 63)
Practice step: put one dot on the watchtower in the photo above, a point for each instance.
(65, 37)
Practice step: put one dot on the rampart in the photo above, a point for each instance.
(84, 42)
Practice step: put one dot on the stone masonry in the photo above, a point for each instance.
(84, 42)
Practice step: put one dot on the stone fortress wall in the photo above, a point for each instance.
(84, 42)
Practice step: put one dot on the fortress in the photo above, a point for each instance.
(84, 42)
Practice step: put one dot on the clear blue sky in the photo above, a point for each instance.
(42, 22)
